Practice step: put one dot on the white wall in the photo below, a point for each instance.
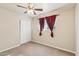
(64, 34)
(77, 28)
(9, 29)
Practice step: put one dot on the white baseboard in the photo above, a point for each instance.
(56, 47)
(10, 48)
(13, 46)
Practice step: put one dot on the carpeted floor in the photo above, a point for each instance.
(34, 49)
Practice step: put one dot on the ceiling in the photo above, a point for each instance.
(47, 7)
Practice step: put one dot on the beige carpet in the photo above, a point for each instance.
(34, 49)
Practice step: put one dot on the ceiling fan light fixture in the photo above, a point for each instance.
(30, 11)
(30, 8)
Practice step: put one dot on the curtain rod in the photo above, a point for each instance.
(50, 15)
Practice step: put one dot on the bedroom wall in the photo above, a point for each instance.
(9, 29)
(77, 28)
(64, 32)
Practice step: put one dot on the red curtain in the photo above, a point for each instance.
(50, 21)
(41, 22)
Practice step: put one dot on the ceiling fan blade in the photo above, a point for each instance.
(21, 6)
(34, 12)
(38, 9)
(25, 12)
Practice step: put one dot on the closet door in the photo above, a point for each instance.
(25, 31)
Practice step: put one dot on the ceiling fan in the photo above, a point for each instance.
(30, 7)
